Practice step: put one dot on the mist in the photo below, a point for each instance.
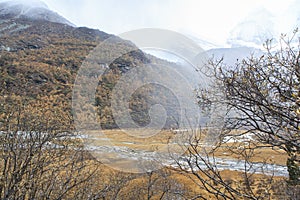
(209, 20)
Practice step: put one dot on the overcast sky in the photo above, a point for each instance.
(207, 19)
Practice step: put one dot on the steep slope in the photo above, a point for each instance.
(32, 52)
(40, 59)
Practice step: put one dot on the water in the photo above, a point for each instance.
(166, 159)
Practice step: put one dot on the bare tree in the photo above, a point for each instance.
(259, 96)
(40, 157)
(262, 97)
(203, 166)
(159, 184)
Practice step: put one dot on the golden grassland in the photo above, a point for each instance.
(260, 184)
(135, 186)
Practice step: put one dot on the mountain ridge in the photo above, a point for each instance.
(40, 59)
(33, 10)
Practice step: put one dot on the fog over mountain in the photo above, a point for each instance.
(254, 30)
(245, 38)
(250, 34)
(32, 9)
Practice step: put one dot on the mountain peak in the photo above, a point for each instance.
(27, 3)
(30, 9)
(254, 30)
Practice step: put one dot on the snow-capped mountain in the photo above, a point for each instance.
(291, 21)
(32, 9)
(234, 54)
(254, 30)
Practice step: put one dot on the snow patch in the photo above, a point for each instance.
(254, 30)
(32, 9)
